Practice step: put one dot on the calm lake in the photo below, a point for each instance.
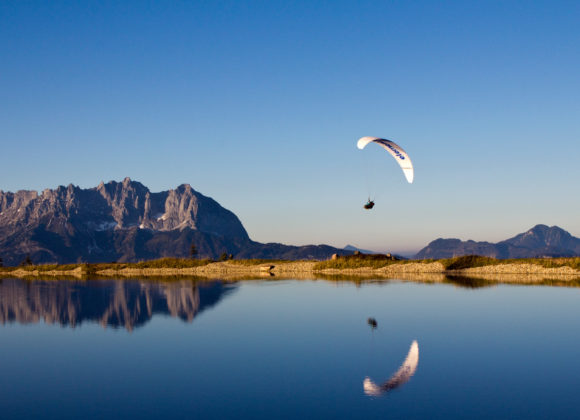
(287, 349)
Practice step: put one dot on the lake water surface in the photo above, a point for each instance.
(286, 349)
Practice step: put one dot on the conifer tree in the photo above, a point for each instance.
(193, 251)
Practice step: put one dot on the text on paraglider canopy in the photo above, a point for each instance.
(395, 151)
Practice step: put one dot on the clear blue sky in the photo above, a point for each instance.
(259, 105)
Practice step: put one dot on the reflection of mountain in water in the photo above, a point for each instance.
(115, 303)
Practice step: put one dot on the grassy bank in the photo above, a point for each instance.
(473, 261)
(368, 265)
(456, 263)
(257, 261)
(86, 268)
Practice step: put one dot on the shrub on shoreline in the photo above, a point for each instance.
(358, 261)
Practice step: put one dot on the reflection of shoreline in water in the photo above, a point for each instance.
(463, 281)
(400, 377)
(468, 279)
(115, 303)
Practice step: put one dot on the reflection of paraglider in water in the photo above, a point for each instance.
(396, 151)
(401, 376)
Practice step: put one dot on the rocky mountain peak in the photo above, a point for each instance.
(66, 215)
(539, 241)
(185, 188)
(542, 236)
(126, 200)
(124, 221)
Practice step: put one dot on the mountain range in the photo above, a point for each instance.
(125, 222)
(539, 241)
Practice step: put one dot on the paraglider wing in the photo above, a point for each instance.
(395, 150)
(401, 376)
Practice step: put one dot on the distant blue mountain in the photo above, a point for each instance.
(352, 248)
(539, 241)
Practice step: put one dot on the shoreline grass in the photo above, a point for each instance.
(455, 263)
(174, 263)
(361, 261)
(473, 261)
(259, 261)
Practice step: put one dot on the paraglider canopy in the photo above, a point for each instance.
(395, 150)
